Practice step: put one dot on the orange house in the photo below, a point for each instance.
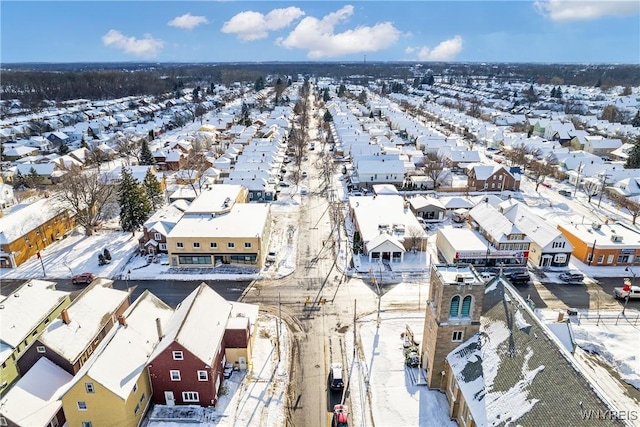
(604, 245)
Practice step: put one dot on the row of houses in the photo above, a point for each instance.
(101, 359)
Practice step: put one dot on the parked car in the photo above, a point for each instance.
(271, 256)
(545, 184)
(340, 416)
(304, 174)
(573, 277)
(335, 377)
(304, 191)
(283, 184)
(564, 193)
(83, 279)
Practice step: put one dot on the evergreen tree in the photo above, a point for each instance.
(259, 84)
(153, 189)
(134, 205)
(633, 161)
(635, 122)
(599, 82)
(146, 157)
(327, 116)
(558, 92)
(83, 143)
(325, 95)
(63, 149)
(553, 92)
(341, 90)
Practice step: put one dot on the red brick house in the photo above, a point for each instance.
(187, 366)
(492, 178)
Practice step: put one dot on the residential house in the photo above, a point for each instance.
(43, 172)
(18, 152)
(387, 227)
(240, 236)
(25, 314)
(113, 386)
(598, 244)
(29, 228)
(428, 208)
(492, 178)
(59, 138)
(188, 364)
(383, 170)
(156, 228)
(601, 146)
(70, 339)
(490, 354)
(509, 244)
(549, 247)
(34, 399)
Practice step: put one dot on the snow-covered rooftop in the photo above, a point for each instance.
(33, 399)
(371, 212)
(244, 220)
(26, 308)
(215, 198)
(26, 217)
(88, 314)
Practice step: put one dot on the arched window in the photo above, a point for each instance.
(466, 306)
(455, 306)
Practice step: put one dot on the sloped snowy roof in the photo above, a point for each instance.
(33, 400)
(123, 354)
(536, 227)
(88, 314)
(494, 223)
(420, 202)
(515, 372)
(198, 324)
(26, 308)
(26, 217)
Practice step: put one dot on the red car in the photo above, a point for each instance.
(340, 416)
(83, 278)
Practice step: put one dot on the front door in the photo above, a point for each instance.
(168, 396)
(243, 363)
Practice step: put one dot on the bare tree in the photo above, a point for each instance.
(127, 147)
(543, 168)
(415, 236)
(193, 169)
(433, 166)
(87, 196)
(591, 188)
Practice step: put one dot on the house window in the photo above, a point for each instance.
(609, 259)
(41, 349)
(466, 306)
(454, 306)
(163, 246)
(179, 245)
(89, 388)
(135, 411)
(157, 236)
(456, 336)
(175, 375)
(177, 355)
(142, 398)
(87, 424)
(196, 245)
(247, 245)
(190, 396)
(213, 245)
(600, 259)
(203, 376)
(231, 245)
(82, 405)
(135, 388)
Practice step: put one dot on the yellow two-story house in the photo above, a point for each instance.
(24, 314)
(113, 387)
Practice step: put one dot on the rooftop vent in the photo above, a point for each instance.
(596, 226)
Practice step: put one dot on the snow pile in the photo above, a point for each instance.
(521, 323)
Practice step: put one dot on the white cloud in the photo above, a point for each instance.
(318, 37)
(579, 10)
(188, 21)
(147, 47)
(445, 51)
(252, 25)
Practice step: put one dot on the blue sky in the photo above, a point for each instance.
(230, 31)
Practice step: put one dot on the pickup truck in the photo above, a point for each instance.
(631, 292)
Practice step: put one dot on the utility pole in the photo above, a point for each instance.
(278, 326)
(577, 179)
(604, 182)
(355, 302)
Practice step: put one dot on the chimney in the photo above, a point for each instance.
(122, 320)
(159, 328)
(560, 317)
(64, 315)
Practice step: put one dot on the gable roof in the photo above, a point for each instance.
(536, 227)
(198, 324)
(494, 223)
(510, 372)
(26, 308)
(88, 314)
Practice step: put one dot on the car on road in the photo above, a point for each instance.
(304, 191)
(519, 277)
(283, 184)
(83, 279)
(271, 256)
(564, 193)
(335, 377)
(340, 416)
(627, 291)
(305, 174)
(545, 184)
(572, 277)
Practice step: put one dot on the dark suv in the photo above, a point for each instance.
(519, 277)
